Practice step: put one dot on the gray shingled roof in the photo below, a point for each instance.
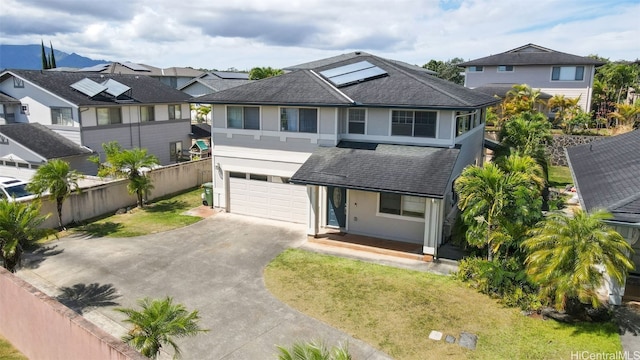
(42, 140)
(298, 87)
(144, 89)
(497, 89)
(607, 175)
(401, 169)
(200, 131)
(217, 84)
(405, 86)
(532, 54)
(6, 99)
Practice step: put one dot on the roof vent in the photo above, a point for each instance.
(358, 53)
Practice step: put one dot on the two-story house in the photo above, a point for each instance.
(91, 109)
(358, 143)
(214, 81)
(550, 71)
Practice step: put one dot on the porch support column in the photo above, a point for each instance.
(313, 223)
(432, 226)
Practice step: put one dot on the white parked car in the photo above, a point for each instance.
(11, 188)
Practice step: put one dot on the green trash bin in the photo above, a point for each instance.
(207, 194)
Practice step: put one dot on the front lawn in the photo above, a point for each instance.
(161, 215)
(559, 176)
(8, 352)
(395, 310)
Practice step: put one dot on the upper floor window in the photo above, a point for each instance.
(62, 116)
(17, 82)
(403, 205)
(24, 109)
(110, 115)
(414, 123)
(299, 120)
(147, 113)
(475, 68)
(465, 121)
(356, 121)
(175, 112)
(247, 117)
(567, 73)
(505, 68)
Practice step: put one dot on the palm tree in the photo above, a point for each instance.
(130, 164)
(527, 134)
(484, 193)
(564, 107)
(523, 164)
(19, 226)
(313, 351)
(565, 253)
(157, 324)
(57, 178)
(133, 162)
(626, 114)
(521, 97)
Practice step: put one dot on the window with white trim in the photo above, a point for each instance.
(109, 115)
(62, 116)
(243, 117)
(299, 120)
(402, 205)
(475, 68)
(505, 68)
(175, 112)
(567, 73)
(414, 123)
(24, 109)
(465, 121)
(147, 113)
(356, 121)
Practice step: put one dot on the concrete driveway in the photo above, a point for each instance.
(214, 266)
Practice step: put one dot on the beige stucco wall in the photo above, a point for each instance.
(42, 328)
(108, 197)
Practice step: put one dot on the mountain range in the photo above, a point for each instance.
(28, 57)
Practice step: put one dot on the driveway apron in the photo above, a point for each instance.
(215, 266)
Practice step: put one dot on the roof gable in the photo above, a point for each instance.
(532, 54)
(607, 174)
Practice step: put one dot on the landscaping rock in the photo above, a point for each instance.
(121, 211)
(435, 335)
(468, 340)
(450, 339)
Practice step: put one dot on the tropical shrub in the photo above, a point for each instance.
(504, 279)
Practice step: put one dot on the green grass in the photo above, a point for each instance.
(8, 352)
(559, 176)
(161, 215)
(396, 309)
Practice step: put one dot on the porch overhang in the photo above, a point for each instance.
(401, 169)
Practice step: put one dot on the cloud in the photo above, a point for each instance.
(248, 33)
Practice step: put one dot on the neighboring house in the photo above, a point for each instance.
(355, 143)
(9, 106)
(91, 109)
(607, 176)
(24, 147)
(214, 81)
(550, 71)
(176, 77)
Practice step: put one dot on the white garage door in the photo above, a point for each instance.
(270, 200)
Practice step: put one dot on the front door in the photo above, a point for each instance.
(336, 206)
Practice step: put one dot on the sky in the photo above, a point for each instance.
(242, 34)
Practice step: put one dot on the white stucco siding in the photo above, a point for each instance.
(363, 219)
(378, 122)
(327, 120)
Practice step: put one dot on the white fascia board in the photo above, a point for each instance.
(294, 157)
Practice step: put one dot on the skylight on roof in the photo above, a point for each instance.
(115, 88)
(94, 68)
(353, 73)
(88, 87)
(135, 67)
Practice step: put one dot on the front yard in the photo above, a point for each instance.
(395, 310)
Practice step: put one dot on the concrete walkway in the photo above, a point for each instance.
(214, 266)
